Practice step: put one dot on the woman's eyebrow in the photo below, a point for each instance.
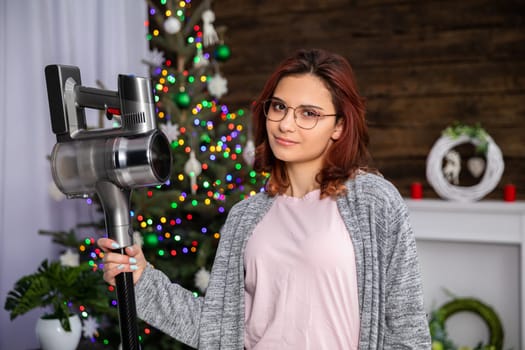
(277, 98)
(307, 105)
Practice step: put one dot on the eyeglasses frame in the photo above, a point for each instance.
(265, 111)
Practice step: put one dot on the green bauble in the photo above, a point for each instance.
(182, 99)
(222, 53)
(151, 239)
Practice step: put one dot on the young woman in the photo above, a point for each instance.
(325, 258)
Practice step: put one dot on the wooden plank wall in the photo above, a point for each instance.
(422, 65)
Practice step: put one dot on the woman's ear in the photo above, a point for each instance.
(338, 130)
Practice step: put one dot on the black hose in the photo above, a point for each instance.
(127, 311)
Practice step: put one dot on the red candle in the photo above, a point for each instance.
(416, 190)
(509, 193)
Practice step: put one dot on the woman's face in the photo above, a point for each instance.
(294, 145)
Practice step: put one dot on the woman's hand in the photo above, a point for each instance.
(115, 263)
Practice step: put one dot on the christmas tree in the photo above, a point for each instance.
(212, 149)
(211, 146)
(178, 223)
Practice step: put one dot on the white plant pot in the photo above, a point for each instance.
(52, 336)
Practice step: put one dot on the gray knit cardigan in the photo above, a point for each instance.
(389, 284)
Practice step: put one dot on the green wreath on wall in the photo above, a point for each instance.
(440, 340)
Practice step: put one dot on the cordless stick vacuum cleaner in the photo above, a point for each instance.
(109, 162)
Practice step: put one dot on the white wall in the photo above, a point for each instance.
(488, 272)
(103, 38)
(473, 249)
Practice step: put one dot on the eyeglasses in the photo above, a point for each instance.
(306, 117)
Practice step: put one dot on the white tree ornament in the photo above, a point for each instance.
(172, 25)
(248, 154)
(69, 258)
(155, 57)
(437, 176)
(90, 327)
(171, 130)
(137, 238)
(202, 279)
(200, 61)
(209, 35)
(218, 86)
(193, 168)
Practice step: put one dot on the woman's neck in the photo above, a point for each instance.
(302, 181)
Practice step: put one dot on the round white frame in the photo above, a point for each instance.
(446, 190)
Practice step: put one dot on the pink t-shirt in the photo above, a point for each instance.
(301, 284)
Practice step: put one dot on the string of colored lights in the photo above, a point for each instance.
(206, 119)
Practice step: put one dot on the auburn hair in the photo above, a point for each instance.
(348, 154)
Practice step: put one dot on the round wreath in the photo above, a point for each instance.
(440, 340)
(454, 136)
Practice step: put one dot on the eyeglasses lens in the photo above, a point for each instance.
(304, 117)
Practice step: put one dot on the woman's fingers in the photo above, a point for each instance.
(111, 270)
(115, 263)
(107, 244)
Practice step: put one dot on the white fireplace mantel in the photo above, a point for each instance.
(492, 222)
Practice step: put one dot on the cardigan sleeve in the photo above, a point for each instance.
(406, 324)
(168, 307)
(389, 282)
(175, 310)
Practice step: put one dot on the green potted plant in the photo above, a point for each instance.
(59, 287)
